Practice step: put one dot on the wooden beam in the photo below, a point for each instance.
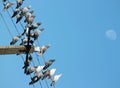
(15, 49)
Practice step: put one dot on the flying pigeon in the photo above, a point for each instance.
(36, 33)
(19, 3)
(8, 5)
(48, 63)
(36, 78)
(14, 40)
(55, 79)
(48, 73)
(15, 12)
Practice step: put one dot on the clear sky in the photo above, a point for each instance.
(84, 37)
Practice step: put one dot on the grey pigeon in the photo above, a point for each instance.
(14, 40)
(15, 12)
(48, 63)
(25, 9)
(36, 78)
(36, 33)
(24, 41)
(35, 26)
(19, 17)
(30, 70)
(19, 3)
(30, 19)
(8, 5)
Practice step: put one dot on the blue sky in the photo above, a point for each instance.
(76, 30)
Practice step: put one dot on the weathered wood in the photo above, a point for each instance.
(15, 49)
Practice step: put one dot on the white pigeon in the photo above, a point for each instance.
(48, 73)
(55, 79)
(38, 69)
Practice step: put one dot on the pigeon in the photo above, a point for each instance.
(19, 3)
(48, 73)
(19, 17)
(14, 40)
(24, 41)
(38, 69)
(28, 14)
(8, 5)
(25, 9)
(30, 19)
(55, 79)
(36, 34)
(30, 70)
(36, 78)
(34, 26)
(15, 12)
(25, 31)
(48, 63)
(27, 62)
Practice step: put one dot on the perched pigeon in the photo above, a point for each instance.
(36, 34)
(19, 3)
(55, 79)
(8, 5)
(25, 31)
(48, 63)
(15, 12)
(34, 26)
(36, 78)
(41, 50)
(14, 40)
(30, 19)
(30, 70)
(27, 62)
(25, 9)
(19, 17)
(25, 40)
(38, 69)
(48, 73)
(28, 14)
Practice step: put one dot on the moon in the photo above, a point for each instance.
(111, 34)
